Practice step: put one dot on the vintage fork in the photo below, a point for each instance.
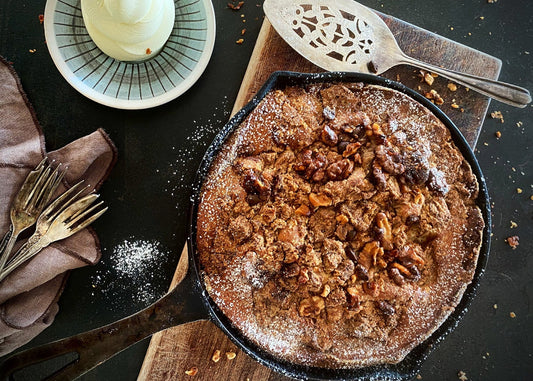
(33, 196)
(67, 215)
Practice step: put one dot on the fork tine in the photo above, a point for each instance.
(37, 187)
(59, 203)
(50, 187)
(83, 213)
(74, 209)
(40, 194)
(88, 221)
(32, 184)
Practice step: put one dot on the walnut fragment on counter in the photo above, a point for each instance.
(513, 241)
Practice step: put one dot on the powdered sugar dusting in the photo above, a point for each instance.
(136, 263)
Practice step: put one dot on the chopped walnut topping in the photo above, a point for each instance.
(318, 200)
(452, 86)
(370, 252)
(328, 136)
(312, 306)
(384, 231)
(303, 210)
(340, 169)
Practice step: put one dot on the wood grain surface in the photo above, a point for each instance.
(174, 351)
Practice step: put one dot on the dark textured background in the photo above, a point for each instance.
(159, 150)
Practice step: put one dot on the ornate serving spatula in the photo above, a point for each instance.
(343, 35)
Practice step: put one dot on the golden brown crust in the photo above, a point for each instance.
(338, 226)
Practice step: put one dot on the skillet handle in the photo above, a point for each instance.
(181, 305)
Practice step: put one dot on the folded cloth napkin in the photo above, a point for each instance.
(29, 295)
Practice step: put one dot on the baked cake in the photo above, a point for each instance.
(338, 226)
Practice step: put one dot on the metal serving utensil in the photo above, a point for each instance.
(343, 35)
(33, 196)
(67, 215)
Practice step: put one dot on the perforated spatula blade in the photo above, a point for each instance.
(343, 35)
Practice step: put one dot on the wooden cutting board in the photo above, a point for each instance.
(176, 350)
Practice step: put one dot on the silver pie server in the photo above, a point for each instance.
(343, 35)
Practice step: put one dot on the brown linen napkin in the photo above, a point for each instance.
(29, 295)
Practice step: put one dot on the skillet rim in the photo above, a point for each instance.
(411, 364)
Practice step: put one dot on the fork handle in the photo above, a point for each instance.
(504, 92)
(6, 245)
(26, 252)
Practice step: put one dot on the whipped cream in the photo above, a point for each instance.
(129, 30)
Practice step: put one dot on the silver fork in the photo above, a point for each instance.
(67, 215)
(33, 196)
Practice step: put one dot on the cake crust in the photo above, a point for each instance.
(338, 225)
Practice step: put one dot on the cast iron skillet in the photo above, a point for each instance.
(189, 301)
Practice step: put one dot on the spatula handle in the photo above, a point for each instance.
(501, 91)
(92, 348)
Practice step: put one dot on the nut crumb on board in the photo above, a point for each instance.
(216, 356)
(41, 19)
(434, 97)
(452, 86)
(512, 315)
(240, 41)
(231, 355)
(519, 190)
(462, 376)
(513, 241)
(192, 372)
(498, 134)
(513, 224)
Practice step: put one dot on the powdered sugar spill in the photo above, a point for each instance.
(183, 168)
(137, 264)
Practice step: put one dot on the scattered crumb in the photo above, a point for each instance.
(495, 306)
(455, 105)
(216, 356)
(482, 17)
(452, 86)
(41, 19)
(192, 372)
(498, 134)
(418, 377)
(32, 50)
(428, 78)
(512, 315)
(434, 97)
(462, 375)
(519, 124)
(513, 225)
(243, 31)
(519, 190)
(497, 115)
(240, 41)
(531, 197)
(230, 355)
(237, 6)
(513, 241)
(148, 51)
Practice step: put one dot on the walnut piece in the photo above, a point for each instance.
(312, 306)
